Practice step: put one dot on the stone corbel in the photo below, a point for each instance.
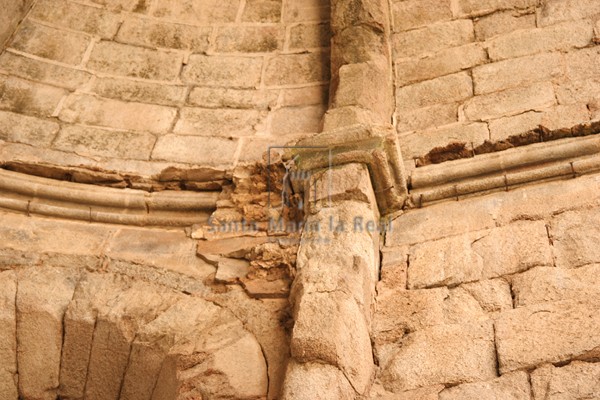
(375, 146)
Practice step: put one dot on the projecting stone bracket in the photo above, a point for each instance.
(375, 146)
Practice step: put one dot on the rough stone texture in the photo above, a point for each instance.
(229, 71)
(8, 336)
(441, 90)
(325, 381)
(22, 96)
(13, 13)
(24, 129)
(575, 235)
(433, 38)
(217, 122)
(417, 144)
(144, 32)
(552, 332)
(448, 354)
(189, 149)
(578, 380)
(512, 386)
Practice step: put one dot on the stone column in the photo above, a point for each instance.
(332, 295)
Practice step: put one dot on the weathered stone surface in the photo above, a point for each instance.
(146, 32)
(444, 62)
(42, 299)
(226, 71)
(516, 72)
(78, 17)
(582, 64)
(447, 354)
(477, 7)
(217, 122)
(549, 284)
(121, 59)
(27, 97)
(510, 102)
(8, 336)
(307, 36)
(144, 92)
(525, 42)
(575, 235)
(12, 14)
(501, 23)
(441, 90)
(378, 392)
(232, 98)
(36, 70)
(420, 143)
(547, 333)
(394, 263)
(252, 39)
(584, 91)
(292, 69)
(316, 381)
(92, 110)
(310, 10)
(197, 11)
(511, 386)
(290, 120)
(95, 141)
(554, 11)
(23, 129)
(54, 44)
(195, 149)
(493, 295)
(487, 254)
(433, 38)
(136, 6)
(308, 95)
(577, 380)
(263, 11)
(427, 117)
(415, 13)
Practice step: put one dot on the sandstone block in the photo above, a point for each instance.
(447, 354)
(547, 333)
(393, 267)
(493, 295)
(197, 12)
(433, 38)
(226, 71)
(578, 380)
(95, 141)
(583, 64)
(426, 393)
(42, 299)
(308, 36)
(574, 235)
(347, 116)
(342, 340)
(516, 72)
(8, 336)
(414, 13)
(143, 92)
(78, 17)
(436, 91)
(549, 284)
(152, 33)
(561, 37)
(511, 386)
(232, 98)
(293, 69)
(427, 117)
(306, 96)
(121, 59)
(489, 254)
(12, 14)
(290, 120)
(420, 143)
(124, 5)
(29, 130)
(444, 62)
(358, 44)
(510, 102)
(501, 23)
(473, 8)
(583, 91)
(195, 149)
(348, 13)
(252, 39)
(51, 43)
(22, 96)
(316, 381)
(262, 11)
(92, 110)
(35, 70)
(218, 122)
(554, 11)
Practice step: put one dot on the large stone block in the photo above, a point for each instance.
(517, 72)
(547, 333)
(197, 11)
(446, 354)
(436, 91)
(42, 299)
(152, 33)
(418, 144)
(51, 43)
(225, 71)
(218, 122)
(474, 8)
(290, 120)
(8, 336)
(290, 69)
(316, 381)
(575, 235)
(251, 39)
(22, 96)
(561, 37)
(13, 13)
(554, 11)
(263, 11)
(577, 380)
(433, 38)
(195, 149)
(65, 14)
(427, 117)
(144, 92)
(486, 254)
(500, 23)
(510, 102)
(416, 13)
(92, 110)
(583, 64)
(511, 386)
(308, 36)
(121, 59)
(29, 130)
(233, 98)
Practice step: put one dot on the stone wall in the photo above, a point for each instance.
(144, 85)
(13, 12)
(470, 71)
